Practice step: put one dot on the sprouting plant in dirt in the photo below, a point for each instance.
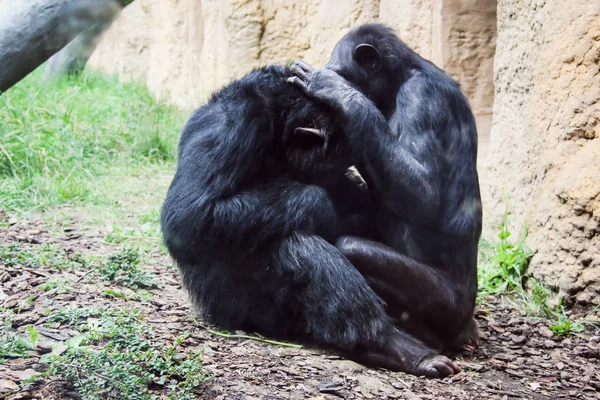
(506, 267)
(563, 325)
(13, 345)
(536, 301)
(57, 285)
(139, 295)
(52, 256)
(124, 268)
(116, 357)
(73, 316)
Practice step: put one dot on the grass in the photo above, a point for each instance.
(53, 256)
(563, 325)
(57, 285)
(505, 263)
(92, 151)
(60, 140)
(116, 357)
(503, 272)
(124, 267)
(13, 345)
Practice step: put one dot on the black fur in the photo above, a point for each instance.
(252, 213)
(414, 140)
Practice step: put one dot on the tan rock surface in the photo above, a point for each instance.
(186, 49)
(414, 22)
(545, 149)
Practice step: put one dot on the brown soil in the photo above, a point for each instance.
(520, 358)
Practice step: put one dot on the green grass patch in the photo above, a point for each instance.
(59, 139)
(504, 263)
(502, 271)
(115, 357)
(563, 325)
(57, 285)
(53, 256)
(124, 267)
(13, 345)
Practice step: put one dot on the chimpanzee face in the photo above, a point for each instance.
(313, 140)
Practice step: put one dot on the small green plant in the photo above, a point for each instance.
(536, 301)
(124, 268)
(506, 267)
(73, 316)
(114, 357)
(57, 285)
(13, 345)
(52, 256)
(139, 295)
(563, 325)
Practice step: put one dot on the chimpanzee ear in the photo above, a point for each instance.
(367, 55)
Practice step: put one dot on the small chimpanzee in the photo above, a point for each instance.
(414, 140)
(250, 218)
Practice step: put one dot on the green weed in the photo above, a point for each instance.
(57, 285)
(114, 358)
(563, 325)
(506, 264)
(536, 301)
(52, 256)
(124, 268)
(502, 269)
(13, 345)
(140, 295)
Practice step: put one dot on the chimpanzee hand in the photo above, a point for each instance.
(325, 85)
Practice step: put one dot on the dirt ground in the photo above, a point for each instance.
(520, 357)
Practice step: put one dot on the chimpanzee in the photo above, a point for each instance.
(414, 140)
(251, 217)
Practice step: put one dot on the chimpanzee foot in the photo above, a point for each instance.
(468, 340)
(404, 353)
(436, 366)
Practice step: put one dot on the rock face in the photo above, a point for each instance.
(545, 146)
(186, 49)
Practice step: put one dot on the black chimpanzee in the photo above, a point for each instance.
(414, 140)
(252, 212)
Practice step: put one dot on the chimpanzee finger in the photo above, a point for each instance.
(300, 73)
(306, 67)
(294, 80)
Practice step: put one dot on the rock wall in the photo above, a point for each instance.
(185, 49)
(545, 145)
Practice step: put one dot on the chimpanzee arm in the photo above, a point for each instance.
(273, 209)
(220, 190)
(402, 163)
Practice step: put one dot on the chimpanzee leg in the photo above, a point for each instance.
(340, 309)
(414, 292)
(302, 288)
